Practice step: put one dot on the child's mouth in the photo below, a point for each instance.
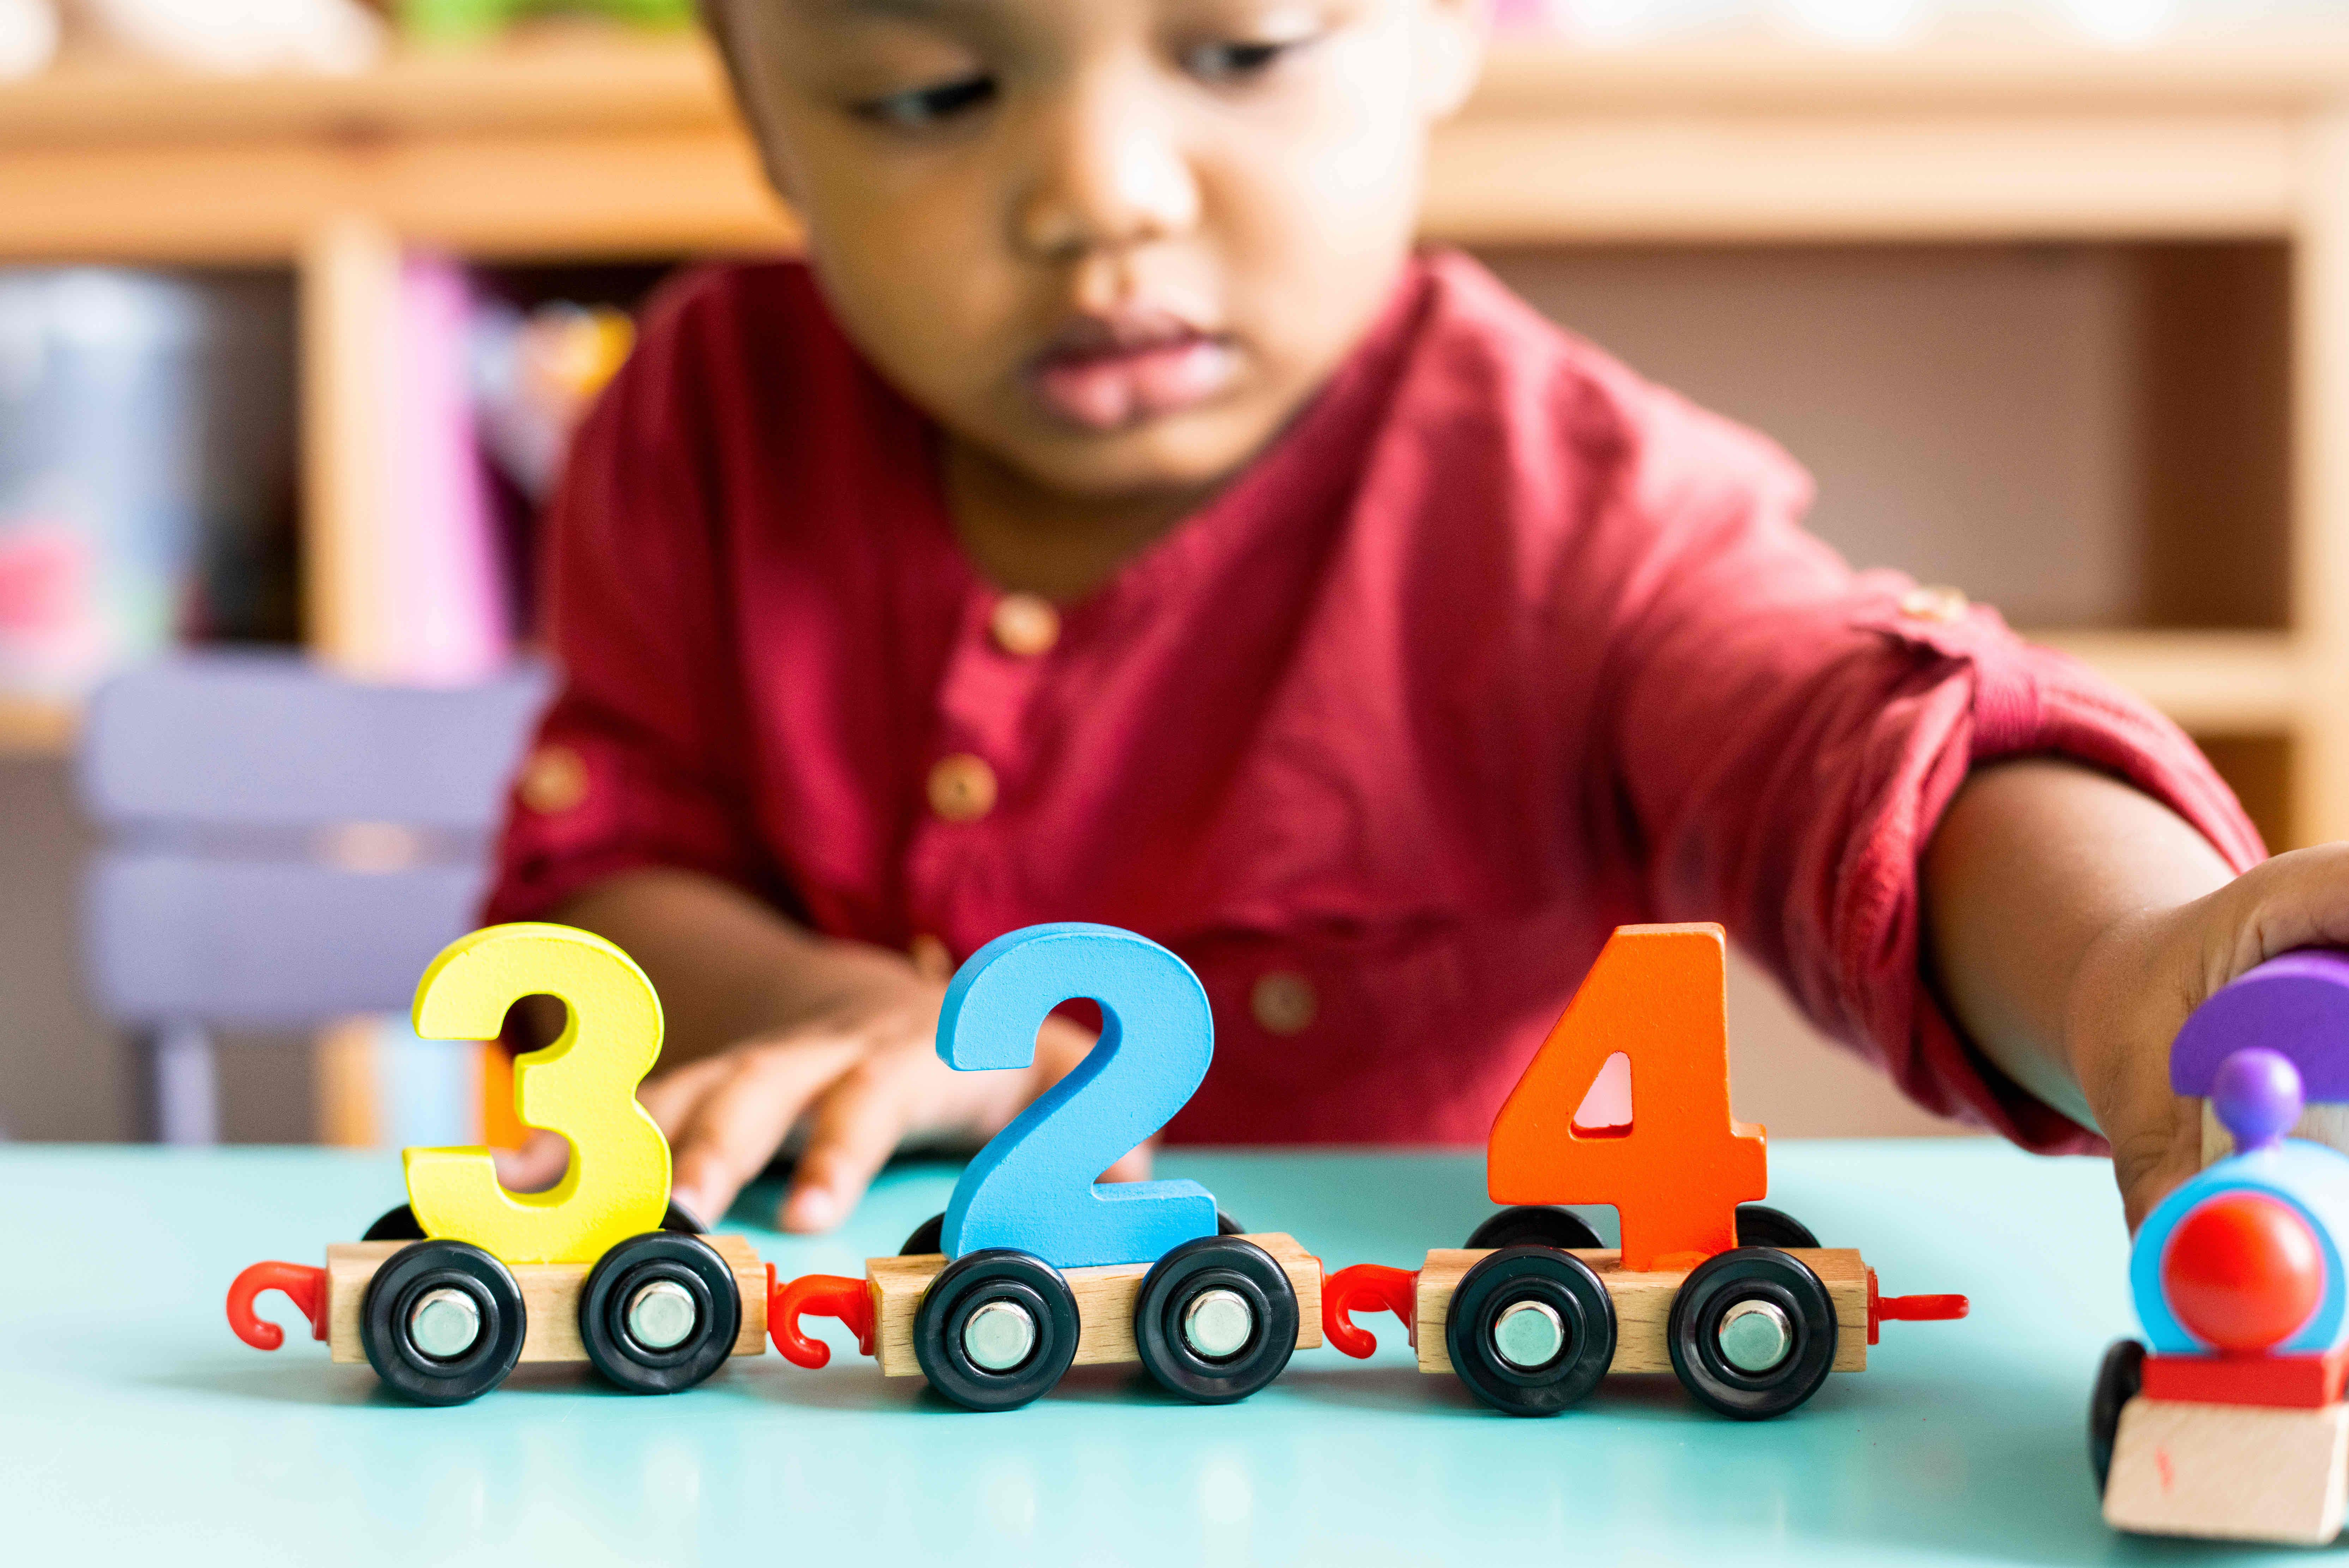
(1103, 375)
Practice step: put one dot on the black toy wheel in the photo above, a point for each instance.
(1752, 1333)
(2119, 1380)
(401, 1225)
(441, 1323)
(395, 1225)
(1530, 1330)
(659, 1313)
(995, 1329)
(1534, 1225)
(1228, 1226)
(1216, 1319)
(1759, 1225)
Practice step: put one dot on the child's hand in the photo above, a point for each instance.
(2138, 983)
(862, 1073)
(860, 1070)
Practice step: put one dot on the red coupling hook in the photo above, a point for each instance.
(1884, 1309)
(305, 1286)
(816, 1295)
(1367, 1287)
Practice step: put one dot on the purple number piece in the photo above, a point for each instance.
(2257, 1095)
(2297, 1005)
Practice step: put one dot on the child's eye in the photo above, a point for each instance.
(1234, 61)
(919, 108)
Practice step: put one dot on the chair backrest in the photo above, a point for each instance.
(227, 740)
(284, 844)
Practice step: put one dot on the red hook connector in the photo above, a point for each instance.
(1911, 1309)
(816, 1295)
(305, 1286)
(1367, 1287)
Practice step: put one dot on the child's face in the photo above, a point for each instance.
(1112, 245)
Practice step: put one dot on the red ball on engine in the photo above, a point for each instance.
(2243, 1272)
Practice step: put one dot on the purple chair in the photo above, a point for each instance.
(284, 846)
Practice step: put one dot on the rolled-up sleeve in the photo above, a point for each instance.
(1791, 732)
(639, 760)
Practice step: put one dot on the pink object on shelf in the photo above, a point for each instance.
(444, 618)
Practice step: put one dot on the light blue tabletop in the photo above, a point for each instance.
(132, 1425)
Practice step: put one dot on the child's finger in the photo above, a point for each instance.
(852, 1132)
(741, 1121)
(536, 1166)
(1134, 1166)
(671, 1098)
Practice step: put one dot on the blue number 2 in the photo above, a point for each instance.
(1033, 1186)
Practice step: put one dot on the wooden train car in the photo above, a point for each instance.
(1215, 1319)
(1738, 1300)
(446, 1294)
(443, 1321)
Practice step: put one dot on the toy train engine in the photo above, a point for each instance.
(2228, 1419)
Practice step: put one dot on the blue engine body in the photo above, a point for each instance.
(2306, 1177)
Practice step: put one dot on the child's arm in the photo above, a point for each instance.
(2073, 923)
(770, 1026)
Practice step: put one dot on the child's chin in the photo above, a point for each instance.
(1157, 454)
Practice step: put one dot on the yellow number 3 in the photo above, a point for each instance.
(582, 1086)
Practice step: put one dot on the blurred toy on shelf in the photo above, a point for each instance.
(119, 466)
(444, 616)
(535, 374)
(461, 21)
(239, 37)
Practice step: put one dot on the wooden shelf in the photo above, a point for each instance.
(2213, 682)
(36, 728)
(577, 143)
(570, 78)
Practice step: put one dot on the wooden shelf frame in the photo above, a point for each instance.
(587, 146)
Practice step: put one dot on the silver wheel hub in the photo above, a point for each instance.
(1755, 1336)
(662, 1316)
(1528, 1334)
(444, 1322)
(1218, 1323)
(999, 1336)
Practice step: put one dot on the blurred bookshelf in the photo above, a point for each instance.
(2224, 168)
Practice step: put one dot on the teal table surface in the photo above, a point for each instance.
(133, 1425)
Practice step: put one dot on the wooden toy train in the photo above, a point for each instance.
(2228, 1419)
(1034, 1268)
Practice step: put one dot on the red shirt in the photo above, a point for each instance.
(1498, 647)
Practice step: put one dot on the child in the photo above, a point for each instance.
(1115, 520)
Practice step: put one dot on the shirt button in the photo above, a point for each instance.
(554, 780)
(962, 788)
(1939, 604)
(1283, 1001)
(1024, 625)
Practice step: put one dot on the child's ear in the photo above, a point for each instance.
(1452, 54)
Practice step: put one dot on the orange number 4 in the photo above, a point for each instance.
(1657, 996)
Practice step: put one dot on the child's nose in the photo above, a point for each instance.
(1110, 171)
